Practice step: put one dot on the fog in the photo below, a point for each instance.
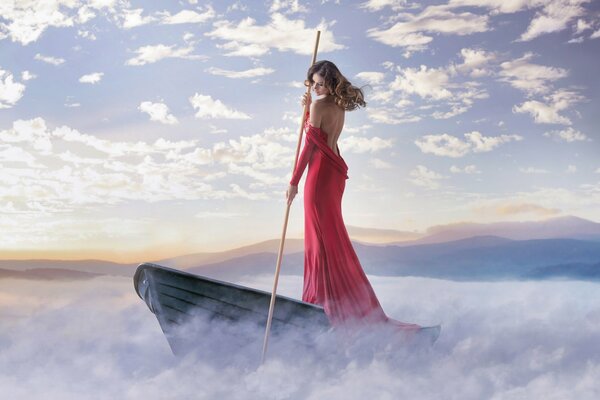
(500, 340)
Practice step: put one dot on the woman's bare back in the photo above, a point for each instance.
(332, 120)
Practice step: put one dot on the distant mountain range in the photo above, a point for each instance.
(478, 258)
(566, 247)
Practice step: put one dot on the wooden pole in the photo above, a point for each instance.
(287, 214)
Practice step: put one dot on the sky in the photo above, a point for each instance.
(135, 130)
(96, 339)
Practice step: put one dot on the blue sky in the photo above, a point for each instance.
(133, 129)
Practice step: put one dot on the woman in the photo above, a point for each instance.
(333, 276)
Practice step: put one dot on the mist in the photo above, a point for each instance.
(500, 340)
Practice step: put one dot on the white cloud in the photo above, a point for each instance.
(571, 169)
(568, 135)
(533, 170)
(467, 169)
(158, 112)
(475, 62)
(86, 34)
(481, 342)
(132, 18)
(378, 5)
(380, 164)
(582, 26)
(65, 170)
(422, 176)
(26, 21)
(359, 145)
(451, 146)
(287, 7)
(528, 77)
(595, 35)
(249, 73)
(390, 116)
(246, 38)
(217, 214)
(49, 60)
(548, 112)
(92, 78)
(373, 78)
(409, 33)
(153, 53)
(188, 17)
(27, 76)
(213, 108)
(550, 16)
(10, 91)
(425, 82)
(554, 16)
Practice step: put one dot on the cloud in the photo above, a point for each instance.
(554, 16)
(10, 91)
(27, 76)
(53, 171)
(468, 169)
(371, 77)
(49, 60)
(390, 116)
(132, 18)
(154, 53)
(524, 354)
(424, 82)
(218, 214)
(287, 7)
(517, 208)
(213, 108)
(249, 73)
(158, 112)
(380, 164)
(422, 176)
(550, 16)
(246, 38)
(532, 170)
(528, 77)
(548, 112)
(26, 21)
(567, 135)
(92, 78)
(410, 33)
(571, 169)
(451, 146)
(188, 17)
(359, 145)
(475, 62)
(378, 5)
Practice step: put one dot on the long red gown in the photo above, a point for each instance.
(333, 276)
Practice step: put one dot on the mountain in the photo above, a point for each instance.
(90, 266)
(554, 228)
(197, 259)
(478, 258)
(47, 274)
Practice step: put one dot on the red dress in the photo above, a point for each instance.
(333, 276)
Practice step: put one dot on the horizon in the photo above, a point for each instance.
(150, 131)
(83, 255)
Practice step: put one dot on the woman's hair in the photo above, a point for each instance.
(346, 95)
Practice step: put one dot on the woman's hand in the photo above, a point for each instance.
(291, 193)
(306, 99)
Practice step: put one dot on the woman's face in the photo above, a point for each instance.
(319, 85)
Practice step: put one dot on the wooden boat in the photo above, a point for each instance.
(216, 319)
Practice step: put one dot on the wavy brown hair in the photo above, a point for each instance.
(346, 95)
